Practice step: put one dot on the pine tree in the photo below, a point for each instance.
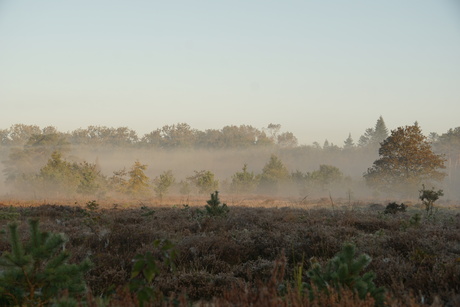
(35, 273)
(380, 132)
(348, 144)
(214, 207)
(344, 271)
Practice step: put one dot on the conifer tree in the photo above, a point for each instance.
(35, 273)
(344, 271)
(348, 144)
(380, 131)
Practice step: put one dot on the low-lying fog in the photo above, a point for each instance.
(225, 163)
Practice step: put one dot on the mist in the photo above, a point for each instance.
(185, 151)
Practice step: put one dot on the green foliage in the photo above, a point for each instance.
(273, 174)
(214, 207)
(326, 176)
(91, 179)
(35, 273)
(393, 208)
(428, 197)
(184, 187)
(59, 176)
(146, 267)
(92, 205)
(9, 213)
(344, 271)
(243, 182)
(163, 183)
(204, 181)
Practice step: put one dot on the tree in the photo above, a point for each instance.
(380, 131)
(348, 143)
(204, 181)
(406, 160)
(243, 182)
(163, 183)
(273, 173)
(374, 136)
(36, 273)
(23, 163)
(91, 178)
(287, 139)
(326, 175)
(59, 176)
(138, 182)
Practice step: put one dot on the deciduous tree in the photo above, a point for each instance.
(406, 160)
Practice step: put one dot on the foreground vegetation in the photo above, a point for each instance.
(251, 255)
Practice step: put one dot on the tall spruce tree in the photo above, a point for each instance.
(348, 143)
(380, 131)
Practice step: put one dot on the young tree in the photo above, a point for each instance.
(326, 175)
(36, 273)
(273, 173)
(406, 160)
(138, 182)
(204, 181)
(163, 183)
(243, 182)
(91, 178)
(59, 176)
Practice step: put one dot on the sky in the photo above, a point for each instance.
(320, 69)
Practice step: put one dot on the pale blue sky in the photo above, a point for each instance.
(321, 69)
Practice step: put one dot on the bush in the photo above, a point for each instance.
(394, 208)
(343, 271)
(215, 207)
(35, 274)
(428, 197)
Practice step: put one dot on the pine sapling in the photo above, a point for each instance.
(214, 207)
(344, 271)
(36, 273)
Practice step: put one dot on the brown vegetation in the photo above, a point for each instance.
(232, 259)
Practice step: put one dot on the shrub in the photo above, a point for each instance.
(35, 274)
(146, 267)
(343, 271)
(215, 207)
(394, 208)
(428, 197)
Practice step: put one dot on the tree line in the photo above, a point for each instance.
(407, 159)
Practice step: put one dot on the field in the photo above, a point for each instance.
(259, 246)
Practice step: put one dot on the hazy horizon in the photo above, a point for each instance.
(320, 69)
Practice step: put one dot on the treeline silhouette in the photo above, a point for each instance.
(26, 148)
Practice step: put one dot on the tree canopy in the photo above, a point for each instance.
(406, 161)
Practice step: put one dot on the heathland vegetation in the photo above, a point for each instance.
(121, 220)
